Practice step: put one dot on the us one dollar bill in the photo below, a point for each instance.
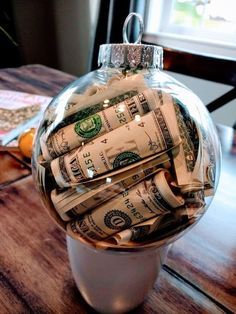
(195, 204)
(83, 131)
(196, 176)
(115, 89)
(209, 164)
(203, 174)
(185, 161)
(189, 213)
(127, 164)
(81, 106)
(80, 199)
(145, 200)
(153, 133)
(137, 232)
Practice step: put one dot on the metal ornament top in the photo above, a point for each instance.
(131, 55)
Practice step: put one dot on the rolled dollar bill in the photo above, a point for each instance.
(59, 123)
(185, 161)
(83, 131)
(118, 87)
(196, 179)
(137, 232)
(94, 89)
(153, 133)
(209, 165)
(194, 206)
(80, 199)
(145, 200)
(81, 106)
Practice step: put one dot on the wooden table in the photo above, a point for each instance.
(200, 272)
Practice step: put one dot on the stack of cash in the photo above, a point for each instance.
(125, 164)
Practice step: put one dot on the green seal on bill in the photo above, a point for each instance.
(117, 220)
(89, 127)
(125, 159)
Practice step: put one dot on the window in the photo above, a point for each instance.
(206, 26)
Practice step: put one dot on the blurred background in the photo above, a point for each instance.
(66, 34)
(56, 33)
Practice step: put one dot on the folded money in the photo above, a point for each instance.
(126, 156)
(137, 232)
(155, 132)
(85, 130)
(195, 204)
(147, 199)
(83, 197)
(80, 106)
(131, 164)
(185, 161)
(209, 165)
(134, 82)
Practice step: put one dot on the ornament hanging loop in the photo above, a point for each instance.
(125, 27)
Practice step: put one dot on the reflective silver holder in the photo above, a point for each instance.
(131, 55)
(125, 27)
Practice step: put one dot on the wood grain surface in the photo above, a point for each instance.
(206, 255)
(35, 79)
(35, 271)
(13, 169)
(35, 277)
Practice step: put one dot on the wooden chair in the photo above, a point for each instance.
(215, 69)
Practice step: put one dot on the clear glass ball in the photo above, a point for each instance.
(126, 158)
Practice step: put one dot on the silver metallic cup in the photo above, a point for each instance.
(114, 281)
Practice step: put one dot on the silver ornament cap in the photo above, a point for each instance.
(131, 55)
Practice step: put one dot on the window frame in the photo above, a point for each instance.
(206, 42)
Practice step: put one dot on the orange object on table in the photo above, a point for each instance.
(25, 142)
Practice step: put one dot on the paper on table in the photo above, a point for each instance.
(19, 111)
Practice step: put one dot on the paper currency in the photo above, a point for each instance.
(117, 88)
(137, 232)
(192, 209)
(80, 106)
(145, 200)
(83, 131)
(153, 133)
(80, 199)
(94, 89)
(129, 164)
(203, 174)
(196, 179)
(81, 114)
(185, 161)
(209, 165)
(194, 204)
